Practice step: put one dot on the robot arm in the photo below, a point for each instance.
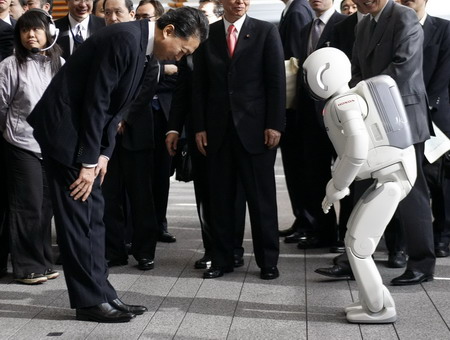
(354, 155)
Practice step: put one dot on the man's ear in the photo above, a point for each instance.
(168, 30)
(46, 7)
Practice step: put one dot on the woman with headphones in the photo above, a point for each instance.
(24, 77)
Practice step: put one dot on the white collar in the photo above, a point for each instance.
(377, 17)
(151, 37)
(238, 24)
(83, 24)
(327, 15)
(422, 21)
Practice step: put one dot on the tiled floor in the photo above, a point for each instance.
(298, 305)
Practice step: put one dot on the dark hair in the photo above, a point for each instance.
(35, 18)
(218, 8)
(187, 21)
(128, 4)
(94, 7)
(159, 8)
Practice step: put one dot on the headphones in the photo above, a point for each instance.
(54, 32)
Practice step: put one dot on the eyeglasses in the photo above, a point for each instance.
(144, 16)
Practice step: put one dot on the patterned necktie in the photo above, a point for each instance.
(231, 39)
(78, 38)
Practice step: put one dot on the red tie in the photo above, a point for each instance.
(231, 39)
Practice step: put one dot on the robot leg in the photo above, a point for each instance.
(365, 228)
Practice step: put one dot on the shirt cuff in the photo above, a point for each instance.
(172, 131)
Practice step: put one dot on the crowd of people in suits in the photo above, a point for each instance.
(96, 138)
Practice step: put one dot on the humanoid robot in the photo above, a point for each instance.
(369, 130)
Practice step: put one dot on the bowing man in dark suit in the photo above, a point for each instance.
(75, 124)
(6, 38)
(239, 114)
(436, 73)
(295, 16)
(316, 153)
(77, 25)
(390, 41)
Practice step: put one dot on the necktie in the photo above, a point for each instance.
(315, 34)
(231, 39)
(78, 38)
(373, 25)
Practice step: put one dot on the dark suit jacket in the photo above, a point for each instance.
(63, 25)
(436, 69)
(395, 49)
(251, 85)
(344, 34)
(298, 15)
(6, 38)
(75, 120)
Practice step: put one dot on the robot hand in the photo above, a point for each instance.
(333, 195)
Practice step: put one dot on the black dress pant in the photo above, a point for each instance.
(81, 237)
(30, 213)
(138, 169)
(226, 167)
(4, 223)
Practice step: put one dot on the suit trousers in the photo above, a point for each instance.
(161, 172)
(81, 237)
(230, 164)
(138, 170)
(200, 179)
(30, 213)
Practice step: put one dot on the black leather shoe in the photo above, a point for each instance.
(336, 272)
(441, 250)
(269, 273)
(103, 313)
(117, 263)
(146, 264)
(238, 261)
(338, 248)
(294, 237)
(286, 232)
(3, 271)
(215, 272)
(202, 263)
(134, 309)
(397, 260)
(309, 242)
(166, 237)
(410, 277)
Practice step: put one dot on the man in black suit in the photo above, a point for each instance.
(75, 124)
(436, 73)
(316, 152)
(6, 49)
(295, 17)
(77, 26)
(239, 80)
(390, 41)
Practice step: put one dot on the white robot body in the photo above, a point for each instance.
(369, 130)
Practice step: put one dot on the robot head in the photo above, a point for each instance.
(326, 71)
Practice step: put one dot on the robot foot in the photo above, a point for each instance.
(386, 315)
(354, 306)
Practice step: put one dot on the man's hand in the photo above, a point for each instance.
(271, 138)
(121, 127)
(101, 168)
(170, 69)
(171, 143)
(202, 142)
(82, 187)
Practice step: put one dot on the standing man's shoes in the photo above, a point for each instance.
(294, 237)
(336, 272)
(203, 263)
(397, 260)
(166, 237)
(269, 273)
(410, 277)
(215, 272)
(441, 250)
(146, 264)
(103, 312)
(238, 261)
(133, 309)
(286, 232)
